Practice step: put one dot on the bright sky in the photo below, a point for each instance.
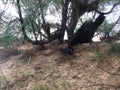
(110, 17)
(9, 9)
(114, 15)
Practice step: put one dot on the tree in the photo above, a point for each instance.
(78, 8)
(34, 25)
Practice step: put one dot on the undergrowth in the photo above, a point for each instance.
(115, 48)
(53, 85)
(99, 56)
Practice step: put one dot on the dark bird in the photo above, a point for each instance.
(67, 51)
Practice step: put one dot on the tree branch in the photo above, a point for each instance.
(108, 11)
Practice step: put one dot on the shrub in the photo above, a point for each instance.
(115, 48)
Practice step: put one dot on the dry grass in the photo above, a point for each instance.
(87, 69)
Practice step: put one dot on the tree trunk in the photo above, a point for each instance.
(75, 15)
(64, 19)
(72, 24)
(21, 20)
(33, 28)
(78, 9)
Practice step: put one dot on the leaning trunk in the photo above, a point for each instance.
(78, 9)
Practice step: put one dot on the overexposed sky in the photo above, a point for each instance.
(112, 17)
(10, 9)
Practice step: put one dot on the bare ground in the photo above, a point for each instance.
(29, 67)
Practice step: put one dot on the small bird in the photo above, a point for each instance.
(67, 51)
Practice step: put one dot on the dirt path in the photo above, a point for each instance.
(85, 70)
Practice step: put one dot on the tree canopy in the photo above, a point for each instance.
(33, 20)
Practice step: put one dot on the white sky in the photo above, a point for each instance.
(114, 15)
(9, 9)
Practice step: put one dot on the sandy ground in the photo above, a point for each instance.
(89, 68)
